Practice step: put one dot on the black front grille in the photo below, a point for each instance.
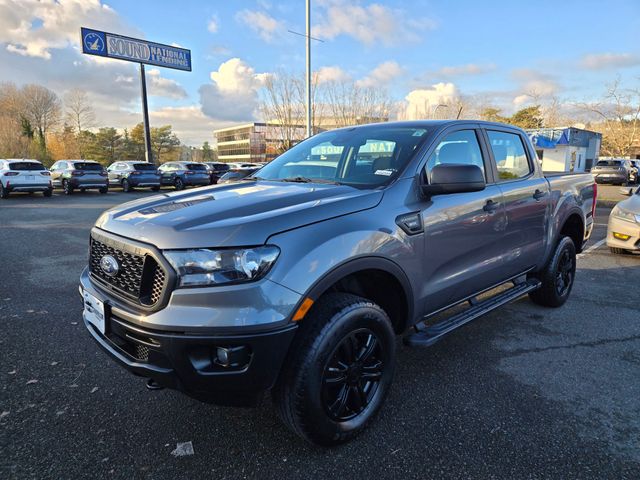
(139, 277)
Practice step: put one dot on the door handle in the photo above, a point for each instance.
(490, 206)
(538, 194)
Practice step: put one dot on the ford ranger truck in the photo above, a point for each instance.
(297, 279)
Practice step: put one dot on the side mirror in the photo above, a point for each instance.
(454, 178)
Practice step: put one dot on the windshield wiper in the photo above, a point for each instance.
(251, 177)
(300, 179)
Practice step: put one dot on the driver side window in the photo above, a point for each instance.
(459, 147)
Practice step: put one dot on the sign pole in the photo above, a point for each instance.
(308, 92)
(145, 114)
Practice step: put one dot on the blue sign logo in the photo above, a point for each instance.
(94, 43)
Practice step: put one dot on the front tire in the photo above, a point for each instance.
(338, 371)
(48, 192)
(104, 190)
(558, 276)
(178, 183)
(67, 188)
(126, 187)
(155, 189)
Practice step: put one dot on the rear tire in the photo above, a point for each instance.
(558, 276)
(155, 189)
(618, 251)
(104, 190)
(178, 183)
(126, 186)
(4, 193)
(338, 370)
(67, 188)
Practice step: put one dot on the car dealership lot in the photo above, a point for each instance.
(524, 392)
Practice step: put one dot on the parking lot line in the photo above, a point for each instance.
(593, 247)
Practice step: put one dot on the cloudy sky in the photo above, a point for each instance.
(420, 51)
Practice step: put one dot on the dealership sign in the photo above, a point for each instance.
(95, 42)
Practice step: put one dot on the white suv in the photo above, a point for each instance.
(22, 175)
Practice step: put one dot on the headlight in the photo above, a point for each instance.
(206, 267)
(625, 215)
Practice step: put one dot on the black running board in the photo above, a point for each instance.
(426, 336)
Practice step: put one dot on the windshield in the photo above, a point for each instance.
(26, 166)
(145, 167)
(608, 163)
(196, 167)
(88, 166)
(361, 156)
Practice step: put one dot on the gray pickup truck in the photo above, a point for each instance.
(297, 280)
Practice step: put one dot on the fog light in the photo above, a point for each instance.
(233, 356)
(621, 236)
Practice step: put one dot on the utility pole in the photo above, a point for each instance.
(145, 117)
(308, 39)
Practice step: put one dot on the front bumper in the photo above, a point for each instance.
(624, 228)
(176, 346)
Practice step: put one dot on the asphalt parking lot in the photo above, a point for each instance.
(525, 392)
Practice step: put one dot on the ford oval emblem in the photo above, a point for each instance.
(109, 265)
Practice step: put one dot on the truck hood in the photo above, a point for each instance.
(232, 215)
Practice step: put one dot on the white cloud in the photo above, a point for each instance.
(603, 61)
(331, 74)
(381, 75)
(233, 93)
(422, 102)
(34, 28)
(163, 87)
(189, 123)
(370, 24)
(212, 26)
(264, 24)
(533, 86)
(468, 69)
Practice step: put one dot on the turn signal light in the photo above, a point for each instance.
(621, 236)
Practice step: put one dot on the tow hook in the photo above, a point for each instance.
(153, 385)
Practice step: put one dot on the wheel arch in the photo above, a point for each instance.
(375, 278)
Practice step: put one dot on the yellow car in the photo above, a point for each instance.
(623, 232)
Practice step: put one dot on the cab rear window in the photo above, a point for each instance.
(24, 166)
(144, 167)
(197, 168)
(88, 166)
(608, 163)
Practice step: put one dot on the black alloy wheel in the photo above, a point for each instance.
(352, 375)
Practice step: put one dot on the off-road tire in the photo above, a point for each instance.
(554, 292)
(299, 393)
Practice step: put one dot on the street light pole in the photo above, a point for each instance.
(308, 39)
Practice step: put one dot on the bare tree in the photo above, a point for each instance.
(618, 116)
(41, 108)
(351, 104)
(282, 108)
(79, 114)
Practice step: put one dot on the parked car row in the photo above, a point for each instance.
(25, 175)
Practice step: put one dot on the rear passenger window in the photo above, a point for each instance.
(509, 153)
(459, 147)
